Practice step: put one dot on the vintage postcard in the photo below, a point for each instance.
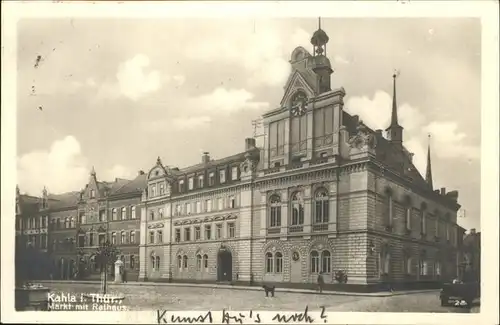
(252, 162)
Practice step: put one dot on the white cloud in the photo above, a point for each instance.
(62, 168)
(341, 60)
(191, 122)
(222, 100)
(264, 55)
(376, 111)
(133, 81)
(118, 171)
(179, 79)
(449, 142)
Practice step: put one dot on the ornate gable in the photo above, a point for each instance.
(295, 83)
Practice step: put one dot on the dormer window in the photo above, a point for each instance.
(162, 188)
(92, 194)
(152, 190)
(200, 181)
(211, 179)
(181, 186)
(222, 176)
(191, 183)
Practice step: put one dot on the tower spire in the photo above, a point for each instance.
(319, 22)
(428, 171)
(92, 172)
(395, 131)
(394, 115)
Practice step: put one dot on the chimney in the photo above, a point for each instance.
(378, 133)
(473, 231)
(141, 172)
(249, 143)
(443, 190)
(205, 158)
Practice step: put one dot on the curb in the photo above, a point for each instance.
(286, 290)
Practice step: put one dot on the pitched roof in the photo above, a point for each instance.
(212, 163)
(123, 186)
(63, 200)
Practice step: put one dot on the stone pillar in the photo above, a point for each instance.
(263, 214)
(284, 212)
(337, 114)
(286, 142)
(308, 211)
(310, 135)
(332, 225)
(118, 271)
(266, 145)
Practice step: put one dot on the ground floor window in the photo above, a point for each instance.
(205, 261)
(179, 262)
(198, 262)
(423, 267)
(274, 262)
(269, 263)
(321, 262)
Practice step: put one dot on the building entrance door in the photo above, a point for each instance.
(224, 265)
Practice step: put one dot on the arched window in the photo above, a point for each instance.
(321, 205)
(185, 261)
(72, 222)
(408, 265)
(179, 262)
(325, 262)
(269, 262)
(275, 217)
(132, 261)
(114, 214)
(389, 208)
(205, 261)
(198, 262)
(297, 209)
(314, 262)
(123, 239)
(157, 259)
(132, 212)
(153, 262)
(132, 237)
(279, 262)
(124, 213)
(113, 238)
(152, 215)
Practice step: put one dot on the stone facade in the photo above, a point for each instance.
(324, 194)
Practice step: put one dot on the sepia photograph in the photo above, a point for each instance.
(286, 166)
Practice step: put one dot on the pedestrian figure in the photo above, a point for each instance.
(320, 282)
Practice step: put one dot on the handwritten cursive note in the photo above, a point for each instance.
(229, 318)
(163, 318)
(299, 317)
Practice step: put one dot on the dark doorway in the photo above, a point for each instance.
(224, 265)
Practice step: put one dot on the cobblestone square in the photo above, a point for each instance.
(193, 298)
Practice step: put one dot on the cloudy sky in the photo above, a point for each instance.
(115, 94)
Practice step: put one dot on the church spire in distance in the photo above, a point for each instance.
(428, 171)
(395, 131)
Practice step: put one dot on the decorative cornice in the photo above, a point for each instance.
(155, 225)
(205, 220)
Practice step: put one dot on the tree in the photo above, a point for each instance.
(105, 256)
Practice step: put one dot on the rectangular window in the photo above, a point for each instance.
(231, 230)
(102, 239)
(234, 173)
(222, 176)
(162, 188)
(211, 179)
(273, 139)
(200, 181)
(191, 183)
(151, 237)
(197, 233)
(208, 232)
(160, 237)
(209, 205)
(423, 225)
(178, 209)
(177, 235)
(198, 207)
(91, 239)
(187, 234)
(188, 208)
(218, 231)
(408, 218)
(437, 227)
(232, 202)
(152, 192)
(102, 215)
(181, 186)
(81, 240)
(160, 213)
(220, 204)
(132, 214)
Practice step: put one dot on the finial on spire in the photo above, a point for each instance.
(92, 172)
(319, 22)
(319, 40)
(158, 161)
(428, 171)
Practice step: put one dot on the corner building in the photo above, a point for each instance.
(325, 194)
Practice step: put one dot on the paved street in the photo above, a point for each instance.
(192, 298)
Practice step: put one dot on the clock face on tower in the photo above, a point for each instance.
(299, 102)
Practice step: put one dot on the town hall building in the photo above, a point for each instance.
(324, 194)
